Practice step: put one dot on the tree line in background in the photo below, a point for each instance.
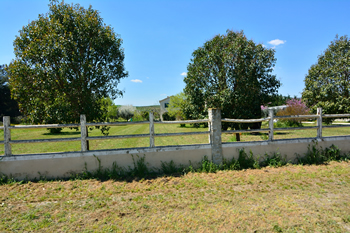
(64, 68)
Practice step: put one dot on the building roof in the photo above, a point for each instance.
(164, 99)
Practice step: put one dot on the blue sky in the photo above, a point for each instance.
(160, 36)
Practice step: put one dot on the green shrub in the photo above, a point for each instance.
(246, 161)
(55, 130)
(275, 160)
(145, 115)
(167, 117)
(318, 155)
(170, 168)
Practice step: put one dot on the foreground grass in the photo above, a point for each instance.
(290, 199)
(25, 134)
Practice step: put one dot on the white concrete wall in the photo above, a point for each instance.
(53, 165)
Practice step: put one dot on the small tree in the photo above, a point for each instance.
(126, 111)
(110, 110)
(294, 107)
(327, 84)
(176, 106)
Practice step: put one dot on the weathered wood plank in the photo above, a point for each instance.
(151, 130)
(182, 122)
(319, 123)
(180, 134)
(45, 140)
(271, 115)
(335, 126)
(335, 115)
(296, 116)
(246, 131)
(43, 126)
(245, 120)
(7, 135)
(84, 133)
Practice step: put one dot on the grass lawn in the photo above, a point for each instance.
(22, 134)
(293, 198)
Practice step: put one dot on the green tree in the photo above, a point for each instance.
(8, 106)
(66, 62)
(232, 73)
(327, 84)
(109, 109)
(176, 105)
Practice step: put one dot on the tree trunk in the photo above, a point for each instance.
(238, 137)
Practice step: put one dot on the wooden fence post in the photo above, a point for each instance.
(319, 123)
(7, 135)
(83, 131)
(215, 135)
(271, 124)
(151, 129)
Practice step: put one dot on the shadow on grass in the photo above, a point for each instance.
(281, 133)
(63, 133)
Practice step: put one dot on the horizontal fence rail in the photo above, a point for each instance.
(45, 140)
(182, 122)
(44, 126)
(214, 129)
(246, 131)
(336, 115)
(296, 116)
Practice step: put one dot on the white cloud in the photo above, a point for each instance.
(183, 73)
(147, 77)
(277, 42)
(136, 80)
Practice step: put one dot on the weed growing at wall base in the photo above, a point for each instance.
(318, 155)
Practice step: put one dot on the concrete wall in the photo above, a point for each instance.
(53, 165)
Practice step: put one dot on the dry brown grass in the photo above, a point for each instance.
(290, 199)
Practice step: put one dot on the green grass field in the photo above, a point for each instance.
(292, 198)
(23, 134)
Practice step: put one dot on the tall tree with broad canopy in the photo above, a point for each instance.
(66, 62)
(327, 84)
(232, 73)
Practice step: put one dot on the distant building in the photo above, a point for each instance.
(164, 103)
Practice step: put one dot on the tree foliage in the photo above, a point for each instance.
(8, 106)
(110, 110)
(232, 73)
(176, 105)
(66, 62)
(327, 84)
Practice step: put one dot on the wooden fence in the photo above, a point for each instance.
(214, 130)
